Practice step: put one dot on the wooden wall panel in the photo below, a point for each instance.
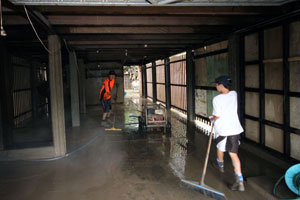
(252, 76)
(252, 128)
(178, 97)
(251, 47)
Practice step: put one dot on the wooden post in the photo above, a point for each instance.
(154, 91)
(74, 89)
(168, 82)
(82, 86)
(56, 95)
(6, 97)
(190, 86)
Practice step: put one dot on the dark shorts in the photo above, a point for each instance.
(232, 143)
(106, 105)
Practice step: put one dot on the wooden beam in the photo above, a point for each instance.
(24, 33)
(274, 60)
(131, 55)
(190, 86)
(43, 20)
(167, 82)
(154, 87)
(138, 42)
(293, 59)
(103, 20)
(56, 96)
(158, 10)
(15, 20)
(103, 52)
(137, 53)
(36, 48)
(27, 36)
(35, 16)
(6, 95)
(134, 46)
(108, 37)
(145, 30)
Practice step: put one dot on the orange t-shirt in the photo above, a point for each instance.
(107, 86)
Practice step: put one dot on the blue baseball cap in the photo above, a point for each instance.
(225, 80)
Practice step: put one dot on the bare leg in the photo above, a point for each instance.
(238, 184)
(220, 155)
(104, 116)
(236, 162)
(108, 114)
(220, 161)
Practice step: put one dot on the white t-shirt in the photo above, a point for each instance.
(225, 107)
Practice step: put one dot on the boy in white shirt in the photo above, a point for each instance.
(227, 128)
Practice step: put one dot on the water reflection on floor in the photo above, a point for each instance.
(128, 164)
(185, 148)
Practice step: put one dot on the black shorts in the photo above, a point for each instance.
(106, 105)
(232, 143)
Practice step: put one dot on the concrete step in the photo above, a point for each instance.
(262, 185)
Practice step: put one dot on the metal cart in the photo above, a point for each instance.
(154, 116)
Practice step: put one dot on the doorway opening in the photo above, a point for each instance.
(131, 82)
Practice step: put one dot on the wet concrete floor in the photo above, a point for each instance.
(127, 165)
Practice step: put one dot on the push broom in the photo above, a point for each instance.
(202, 188)
(113, 126)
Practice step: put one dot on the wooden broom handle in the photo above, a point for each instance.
(207, 155)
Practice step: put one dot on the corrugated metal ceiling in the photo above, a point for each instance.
(155, 2)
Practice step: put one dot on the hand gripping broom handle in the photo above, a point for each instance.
(207, 155)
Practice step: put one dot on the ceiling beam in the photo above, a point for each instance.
(36, 17)
(115, 33)
(144, 30)
(111, 42)
(138, 42)
(122, 51)
(145, 3)
(104, 48)
(125, 30)
(103, 20)
(131, 48)
(43, 20)
(127, 37)
(162, 10)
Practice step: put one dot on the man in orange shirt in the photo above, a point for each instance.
(105, 96)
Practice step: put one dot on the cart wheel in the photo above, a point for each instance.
(168, 125)
(168, 128)
(144, 127)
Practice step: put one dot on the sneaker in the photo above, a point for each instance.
(216, 166)
(109, 121)
(238, 186)
(104, 124)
